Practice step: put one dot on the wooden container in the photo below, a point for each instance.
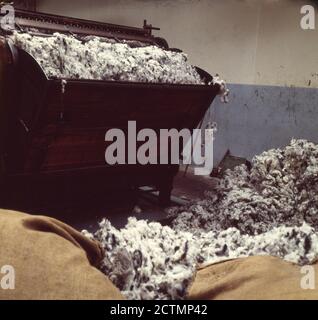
(50, 137)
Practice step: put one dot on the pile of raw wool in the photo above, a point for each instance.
(150, 261)
(96, 58)
(269, 210)
(281, 188)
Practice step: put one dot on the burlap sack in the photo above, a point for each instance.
(51, 260)
(254, 278)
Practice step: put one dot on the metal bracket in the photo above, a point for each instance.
(149, 27)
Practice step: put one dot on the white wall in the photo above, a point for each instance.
(246, 41)
(257, 45)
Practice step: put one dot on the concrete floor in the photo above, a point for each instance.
(120, 205)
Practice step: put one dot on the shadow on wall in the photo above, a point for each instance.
(259, 118)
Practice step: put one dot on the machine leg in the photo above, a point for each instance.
(165, 190)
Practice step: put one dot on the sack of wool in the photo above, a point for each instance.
(95, 58)
(149, 261)
(269, 210)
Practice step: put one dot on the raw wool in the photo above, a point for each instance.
(224, 91)
(281, 188)
(294, 244)
(95, 58)
(148, 261)
(269, 210)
